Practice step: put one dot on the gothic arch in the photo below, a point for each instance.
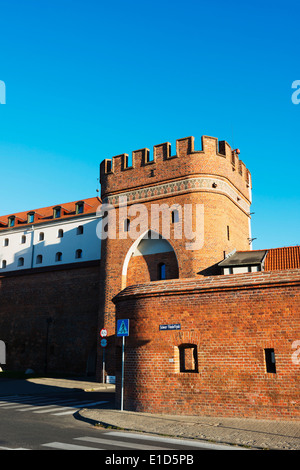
(150, 242)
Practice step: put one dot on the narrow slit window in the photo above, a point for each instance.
(58, 256)
(78, 254)
(41, 236)
(270, 360)
(80, 230)
(60, 233)
(21, 261)
(3, 264)
(175, 216)
(161, 271)
(228, 233)
(126, 225)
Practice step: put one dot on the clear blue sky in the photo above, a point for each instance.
(87, 80)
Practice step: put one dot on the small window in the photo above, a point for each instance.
(23, 239)
(175, 216)
(270, 360)
(11, 221)
(80, 230)
(41, 236)
(228, 233)
(3, 264)
(21, 261)
(56, 212)
(188, 358)
(79, 207)
(39, 259)
(78, 254)
(30, 217)
(60, 233)
(126, 225)
(5, 242)
(58, 256)
(161, 274)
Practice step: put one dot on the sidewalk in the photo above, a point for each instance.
(248, 433)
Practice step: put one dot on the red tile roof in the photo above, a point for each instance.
(282, 258)
(46, 213)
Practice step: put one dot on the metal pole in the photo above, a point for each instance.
(122, 383)
(103, 365)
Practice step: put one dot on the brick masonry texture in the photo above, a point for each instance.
(230, 320)
(70, 298)
(223, 184)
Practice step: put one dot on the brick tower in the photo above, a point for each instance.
(176, 216)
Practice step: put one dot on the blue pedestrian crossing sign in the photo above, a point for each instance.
(123, 327)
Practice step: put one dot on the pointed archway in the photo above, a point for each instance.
(150, 258)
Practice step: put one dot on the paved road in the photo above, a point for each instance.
(48, 422)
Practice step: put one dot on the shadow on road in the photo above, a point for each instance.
(18, 390)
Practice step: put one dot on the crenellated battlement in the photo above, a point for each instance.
(215, 158)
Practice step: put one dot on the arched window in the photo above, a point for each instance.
(161, 271)
(78, 254)
(79, 230)
(39, 259)
(58, 256)
(60, 233)
(21, 261)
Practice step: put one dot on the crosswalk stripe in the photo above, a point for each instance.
(65, 446)
(11, 448)
(54, 403)
(60, 408)
(31, 400)
(81, 406)
(128, 445)
(175, 441)
(9, 407)
(42, 404)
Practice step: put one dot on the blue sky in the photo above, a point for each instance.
(87, 80)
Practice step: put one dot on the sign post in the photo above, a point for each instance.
(103, 343)
(122, 330)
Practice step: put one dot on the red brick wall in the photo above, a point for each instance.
(70, 297)
(142, 269)
(231, 320)
(221, 209)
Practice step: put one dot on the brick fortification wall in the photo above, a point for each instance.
(69, 297)
(227, 323)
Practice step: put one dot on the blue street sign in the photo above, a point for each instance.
(123, 327)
